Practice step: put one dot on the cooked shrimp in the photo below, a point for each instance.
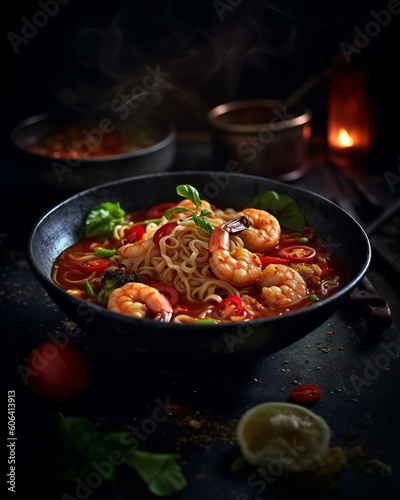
(311, 273)
(240, 267)
(135, 250)
(282, 286)
(265, 232)
(191, 206)
(136, 299)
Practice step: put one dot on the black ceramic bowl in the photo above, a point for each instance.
(182, 348)
(70, 175)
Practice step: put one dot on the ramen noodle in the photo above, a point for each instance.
(227, 265)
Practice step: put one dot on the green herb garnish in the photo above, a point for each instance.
(206, 321)
(89, 289)
(191, 193)
(283, 207)
(105, 252)
(102, 219)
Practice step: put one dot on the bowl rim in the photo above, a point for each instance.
(168, 138)
(338, 296)
(303, 117)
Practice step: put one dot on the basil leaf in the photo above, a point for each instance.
(202, 224)
(160, 472)
(101, 220)
(177, 210)
(190, 193)
(205, 212)
(283, 207)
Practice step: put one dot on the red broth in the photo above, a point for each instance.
(81, 142)
(292, 249)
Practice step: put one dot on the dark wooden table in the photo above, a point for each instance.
(359, 375)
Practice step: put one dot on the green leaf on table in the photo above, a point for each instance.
(76, 433)
(160, 472)
(84, 449)
(283, 207)
(116, 441)
(81, 446)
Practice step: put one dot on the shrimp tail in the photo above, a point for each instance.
(220, 236)
(163, 316)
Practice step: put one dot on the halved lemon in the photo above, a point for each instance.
(283, 435)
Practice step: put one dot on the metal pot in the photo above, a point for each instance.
(263, 137)
(71, 175)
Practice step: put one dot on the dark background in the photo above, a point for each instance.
(259, 49)
(213, 52)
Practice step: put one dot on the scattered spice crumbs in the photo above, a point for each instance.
(363, 461)
(201, 431)
(338, 460)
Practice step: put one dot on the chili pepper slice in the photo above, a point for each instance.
(95, 265)
(286, 242)
(271, 259)
(298, 253)
(162, 231)
(229, 306)
(306, 393)
(167, 290)
(324, 267)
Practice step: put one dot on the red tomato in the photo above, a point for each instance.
(271, 259)
(134, 233)
(229, 306)
(298, 253)
(94, 265)
(306, 393)
(158, 211)
(56, 371)
(163, 231)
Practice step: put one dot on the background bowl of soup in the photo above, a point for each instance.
(195, 348)
(69, 153)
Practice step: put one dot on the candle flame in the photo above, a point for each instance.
(344, 139)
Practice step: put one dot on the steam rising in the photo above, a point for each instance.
(202, 63)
